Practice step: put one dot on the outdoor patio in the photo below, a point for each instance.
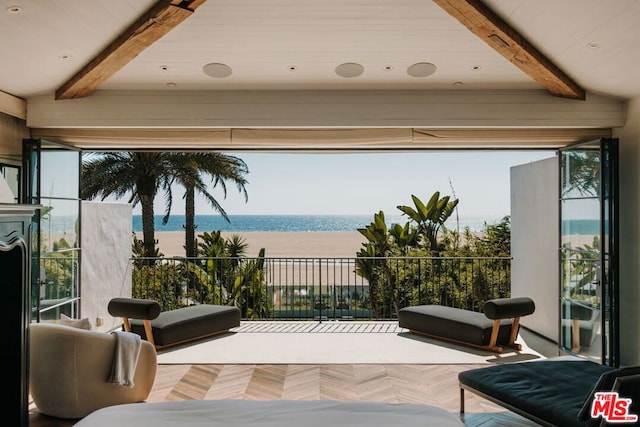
(340, 342)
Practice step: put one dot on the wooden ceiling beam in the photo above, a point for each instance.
(484, 23)
(146, 30)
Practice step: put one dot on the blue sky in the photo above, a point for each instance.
(366, 183)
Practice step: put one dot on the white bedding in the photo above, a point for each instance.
(274, 413)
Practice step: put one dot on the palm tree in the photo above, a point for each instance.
(582, 172)
(139, 174)
(188, 169)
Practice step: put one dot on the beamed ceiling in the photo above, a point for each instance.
(105, 73)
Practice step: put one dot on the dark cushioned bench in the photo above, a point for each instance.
(497, 327)
(553, 392)
(166, 328)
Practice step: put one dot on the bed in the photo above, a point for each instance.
(274, 413)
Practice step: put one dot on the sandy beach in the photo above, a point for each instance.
(289, 244)
(278, 243)
(318, 244)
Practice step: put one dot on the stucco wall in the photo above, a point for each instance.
(629, 199)
(534, 242)
(106, 259)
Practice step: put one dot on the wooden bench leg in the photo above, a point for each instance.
(148, 330)
(575, 335)
(127, 324)
(494, 337)
(514, 334)
(493, 346)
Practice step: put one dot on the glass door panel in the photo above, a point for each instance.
(588, 250)
(54, 185)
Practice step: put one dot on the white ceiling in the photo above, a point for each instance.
(47, 42)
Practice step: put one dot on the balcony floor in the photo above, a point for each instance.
(428, 383)
(332, 342)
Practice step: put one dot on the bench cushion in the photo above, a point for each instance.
(551, 390)
(453, 323)
(188, 323)
(504, 308)
(134, 307)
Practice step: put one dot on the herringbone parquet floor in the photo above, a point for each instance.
(431, 384)
(428, 384)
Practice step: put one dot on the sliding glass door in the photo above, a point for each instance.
(52, 181)
(589, 250)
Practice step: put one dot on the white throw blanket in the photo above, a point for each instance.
(125, 358)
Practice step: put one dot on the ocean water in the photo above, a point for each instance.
(307, 223)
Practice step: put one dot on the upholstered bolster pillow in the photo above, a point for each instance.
(507, 308)
(134, 308)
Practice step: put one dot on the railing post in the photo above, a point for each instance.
(320, 288)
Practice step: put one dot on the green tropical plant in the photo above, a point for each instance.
(249, 290)
(581, 270)
(379, 245)
(221, 257)
(404, 236)
(138, 251)
(495, 240)
(464, 270)
(430, 217)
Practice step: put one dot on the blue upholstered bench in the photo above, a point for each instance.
(555, 392)
(167, 328)
(497, 327)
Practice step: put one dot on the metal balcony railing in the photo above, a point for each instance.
(322, 288)
(57, 285)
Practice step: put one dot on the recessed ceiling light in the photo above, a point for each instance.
(292, 68)
(64, 56)
(476, 67)
(349, 69)
(217, 70)
(421, 69)
(457, 84)
(14, 9)
(171, 84)
(164, 67)
(388, 67)
(593, 45)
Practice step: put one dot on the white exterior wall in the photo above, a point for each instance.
(629, 198)
(534, 242)
(106, 238)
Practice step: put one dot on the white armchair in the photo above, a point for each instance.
(69, 368)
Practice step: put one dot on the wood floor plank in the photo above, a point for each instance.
(195, 383)
(302, 383)
(267, 382)
(231, 383)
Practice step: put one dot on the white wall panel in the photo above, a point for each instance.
(106, 239)
(629, 198)
(534, 242)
